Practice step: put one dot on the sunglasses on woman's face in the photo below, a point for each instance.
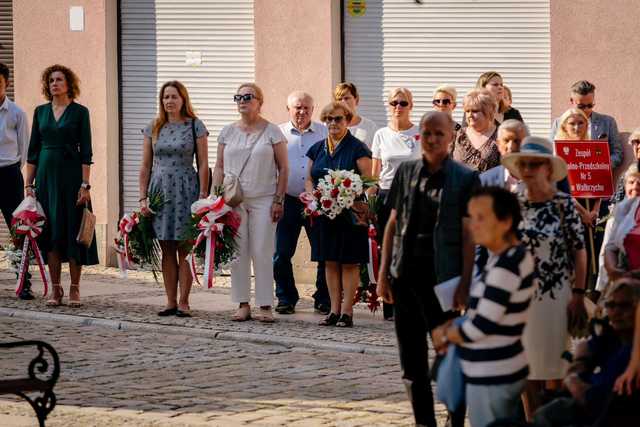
(246, 98)
(611, 305)
(335, 119)
(635, 142)
(400, 103)
(444, 102)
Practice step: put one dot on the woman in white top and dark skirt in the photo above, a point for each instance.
(262, 146)
(392, 145)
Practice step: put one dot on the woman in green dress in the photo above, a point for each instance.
(59, 160)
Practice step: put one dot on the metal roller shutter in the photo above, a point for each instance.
(6, 57)
(420, 46)
(158, 39)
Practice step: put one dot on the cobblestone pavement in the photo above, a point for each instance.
(111, 305)
(127, 378)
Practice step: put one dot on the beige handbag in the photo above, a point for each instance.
(232, 190)
(87, 227)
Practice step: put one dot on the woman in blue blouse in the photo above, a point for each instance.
(338, 242)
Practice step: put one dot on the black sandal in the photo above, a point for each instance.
(330, 320)
(345, 321)
(168, 312)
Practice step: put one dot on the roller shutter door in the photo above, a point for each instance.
(401, 43)
(206, 44)
(6, 57)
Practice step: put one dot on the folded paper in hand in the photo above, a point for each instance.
(445, 292)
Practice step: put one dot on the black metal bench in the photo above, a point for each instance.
(43, 373)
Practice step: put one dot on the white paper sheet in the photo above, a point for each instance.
(445, 292)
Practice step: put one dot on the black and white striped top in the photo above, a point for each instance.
(492, 352)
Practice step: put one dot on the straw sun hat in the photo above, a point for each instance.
(535, 146)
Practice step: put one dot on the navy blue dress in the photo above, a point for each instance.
(338, 240)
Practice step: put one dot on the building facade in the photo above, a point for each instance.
(123, 50)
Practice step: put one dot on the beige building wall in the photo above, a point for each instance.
(597, 41)
(42, 37)
(298, 47)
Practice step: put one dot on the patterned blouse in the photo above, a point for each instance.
(481, 159)
(552, 231)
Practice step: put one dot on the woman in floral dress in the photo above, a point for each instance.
(553, 232)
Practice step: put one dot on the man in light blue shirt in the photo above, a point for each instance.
(14, 143)
(301, 134)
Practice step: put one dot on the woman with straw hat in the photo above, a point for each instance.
(553, 231)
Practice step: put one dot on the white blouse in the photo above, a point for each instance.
(393, 148)
(260, 175)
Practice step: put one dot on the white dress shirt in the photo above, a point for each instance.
(298, 143)
(14, 134)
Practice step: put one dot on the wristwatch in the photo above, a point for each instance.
(278, 200)
(85, 185)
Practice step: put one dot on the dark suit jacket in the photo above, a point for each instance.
(447, 234)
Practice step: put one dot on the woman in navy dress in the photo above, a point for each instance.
(339, 243)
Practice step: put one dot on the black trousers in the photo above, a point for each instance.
(11, 190)
(416, 313)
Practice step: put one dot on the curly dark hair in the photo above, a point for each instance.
(73, 83)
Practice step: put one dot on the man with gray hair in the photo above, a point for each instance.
(301, 134)
(510, 135)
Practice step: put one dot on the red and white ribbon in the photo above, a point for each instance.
(374, 264)
(125, 226)
(29, 224)
(211, 210)
(123, 261)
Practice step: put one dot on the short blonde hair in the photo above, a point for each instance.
(256, 89)
(481, 98)
(448, 89)
(631, 171)
(400, 91)
(344, 88)
(561, 133)
(635, 134)
(335, 105)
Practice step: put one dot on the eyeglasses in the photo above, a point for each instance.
(246, 98)
(610, 305)
(400, 103)
(444, 102)
(584, 106)
(531, 164)
(335, 119)
(635, 142)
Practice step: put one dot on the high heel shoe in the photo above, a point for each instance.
(56, 298)
(75, 302)
(330, 320)
(345, 321)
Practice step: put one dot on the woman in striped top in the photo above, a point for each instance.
(493, 358)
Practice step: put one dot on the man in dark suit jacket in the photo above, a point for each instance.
(601, 126)
(426, 241)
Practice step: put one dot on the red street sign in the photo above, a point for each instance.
(589, 164)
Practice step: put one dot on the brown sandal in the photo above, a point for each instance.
(74, 302)
(242, 314)
(56, 298)
(265, 315)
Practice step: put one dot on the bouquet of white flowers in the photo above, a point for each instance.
(334, 193)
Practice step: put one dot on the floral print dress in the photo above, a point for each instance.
(552, 231)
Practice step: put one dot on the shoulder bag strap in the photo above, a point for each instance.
(252, 148)
(195, 142)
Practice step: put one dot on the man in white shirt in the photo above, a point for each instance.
(14, 144)
(301, 134)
